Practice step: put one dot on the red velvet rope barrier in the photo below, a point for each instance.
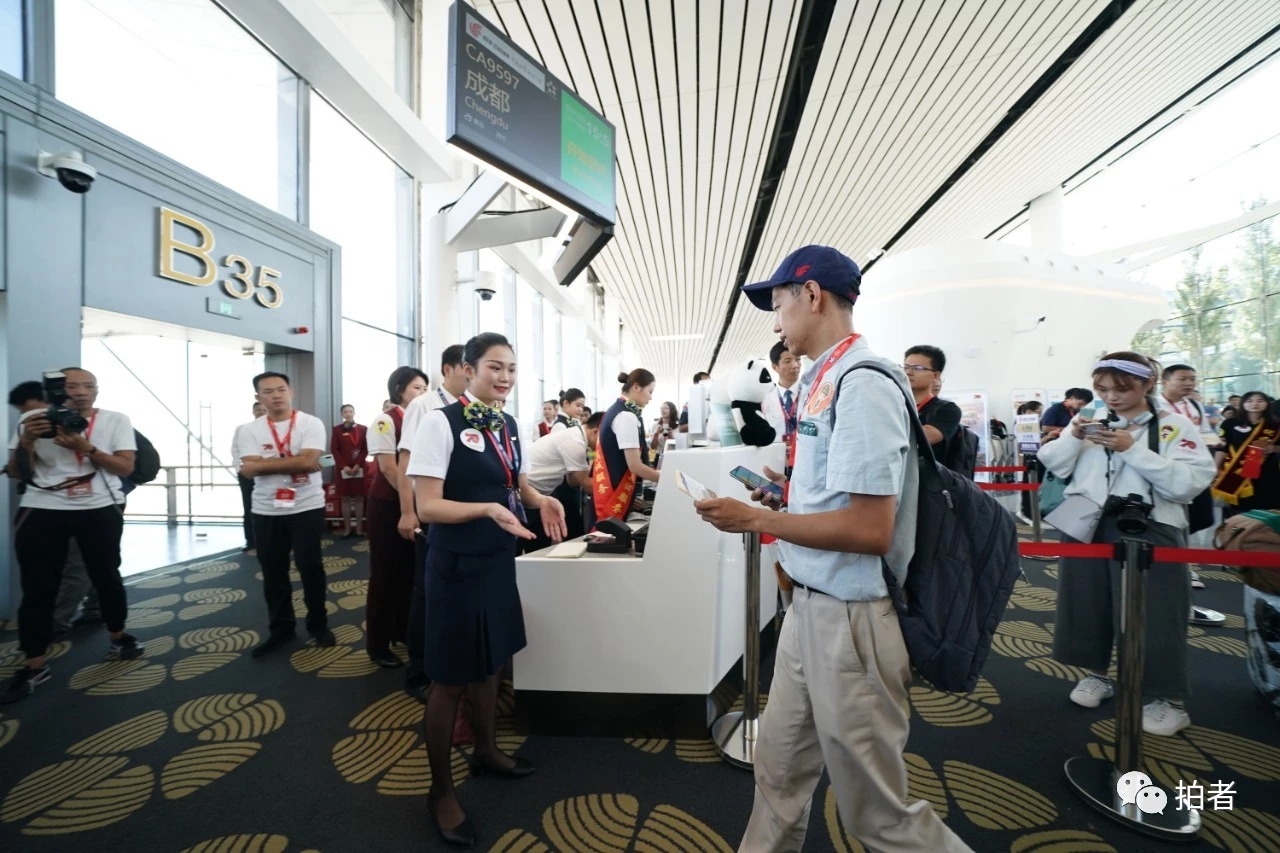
(1000, 469)
(1008, 487)
(1202, 556)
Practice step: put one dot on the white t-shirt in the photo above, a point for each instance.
(381, 439)
(108, 431)
(436, 398)
(15, 439)
(556, 456)
(235, 444)
(309, 433)
(626, 427)
(432, 448)
(1191, 411)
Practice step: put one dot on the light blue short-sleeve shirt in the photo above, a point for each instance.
(853, 438)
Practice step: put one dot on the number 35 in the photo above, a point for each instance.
(265, 289)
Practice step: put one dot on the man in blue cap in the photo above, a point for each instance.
(839, 692)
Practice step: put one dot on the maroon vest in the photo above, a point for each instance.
(380, 488)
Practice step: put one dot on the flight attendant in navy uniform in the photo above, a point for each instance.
(469, 470)
(619, 465)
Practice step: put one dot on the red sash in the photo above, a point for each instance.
(611, 501)
(1235, 483)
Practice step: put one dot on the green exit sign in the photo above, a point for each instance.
(222, 308)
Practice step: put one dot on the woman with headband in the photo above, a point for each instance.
(1135, 468)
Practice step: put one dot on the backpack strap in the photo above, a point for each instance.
(924, 451)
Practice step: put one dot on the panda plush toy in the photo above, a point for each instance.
(749, 386)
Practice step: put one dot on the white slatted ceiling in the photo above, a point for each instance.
(911, 89)
(1150, 58)
(904, 91)
(694, 99)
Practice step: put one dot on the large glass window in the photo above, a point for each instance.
(383, 32)
(368, 357)
(183, 78)
(11, 37)
(527, 354)
(552, 374)
(1224, 298)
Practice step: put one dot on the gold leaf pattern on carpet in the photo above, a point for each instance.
(160, 601)
(410, 776)
(215, 595)
(362, 757)
(1216, 575)
(300, 605)
(395, 711)
(219, 640)
(11, 657)
(1061, 841)
(668, 829)
(993, 801)
(8, 728)
(596, 823)
(242, 844)
(1175, 750)
(162, 582)
(201, 664)
(840, 839)
(1035, 598)
(947, 709)
(1017, 647)
(107, 801)
(1241, 830)
(697, 751)
(924, 784)
(199, 611)
(1247, 757)
(149, 618)
(194, 768)
(50, 785)
(1025, 630)
(252, 721)
(1221, 645)
(519, 841)
(650, 745)
(119, 678)
(132, 734)
(207, 710)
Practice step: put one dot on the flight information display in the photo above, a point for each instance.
(510, 112)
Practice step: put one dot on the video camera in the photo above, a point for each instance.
(55, 393)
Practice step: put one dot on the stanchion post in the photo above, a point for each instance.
(1037, 523)
(1098, 780)
(734, 733)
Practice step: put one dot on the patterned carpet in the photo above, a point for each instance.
(198, 747)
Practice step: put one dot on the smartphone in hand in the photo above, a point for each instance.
(754, 481)
(326, 461)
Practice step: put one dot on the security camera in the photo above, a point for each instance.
(484, 285)
(70, 169)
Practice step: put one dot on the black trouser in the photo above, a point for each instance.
(418, 610)
(246, 500)
(277, 536)
(41, 542)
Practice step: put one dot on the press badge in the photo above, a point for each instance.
(80, 490)
(285, 499)
(301, 479)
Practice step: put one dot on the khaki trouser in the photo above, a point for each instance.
(839, 698)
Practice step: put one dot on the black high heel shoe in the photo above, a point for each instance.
(523, 767)
(462, 835)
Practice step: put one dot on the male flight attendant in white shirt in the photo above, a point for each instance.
(779, 408)
(445, 394)
(281, 452)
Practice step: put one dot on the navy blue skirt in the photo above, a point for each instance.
(475, 622)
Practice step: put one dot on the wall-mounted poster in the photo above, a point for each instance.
(973, 414)
(1027, 395)
(1027, 430)
(1056, 395)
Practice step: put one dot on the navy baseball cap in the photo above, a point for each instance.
(832, 270)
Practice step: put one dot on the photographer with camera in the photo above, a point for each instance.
(77, 455)
(1131, 475)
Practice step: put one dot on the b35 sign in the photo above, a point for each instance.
(510, 112)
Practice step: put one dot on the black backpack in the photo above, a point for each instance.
(962, 574)
(146, 461)
(962, 452)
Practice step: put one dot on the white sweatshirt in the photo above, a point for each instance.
(1181, 470)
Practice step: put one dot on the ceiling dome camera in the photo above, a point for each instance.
(484, 286)
(69, 168)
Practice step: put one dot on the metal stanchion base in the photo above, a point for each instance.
(1095, 780)
(1205, 616)
(735, 740)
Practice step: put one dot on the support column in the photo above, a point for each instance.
(1046, 218)
(441, 326)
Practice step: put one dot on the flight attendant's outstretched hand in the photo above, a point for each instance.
(552, 512)
(508, 522)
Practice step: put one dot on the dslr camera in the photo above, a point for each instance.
(55, 392)
(1131, 513)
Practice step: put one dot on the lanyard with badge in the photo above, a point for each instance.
(507, 455)
(811, 406)
(287, 498)
(83, 488)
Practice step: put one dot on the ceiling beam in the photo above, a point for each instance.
(811, 34)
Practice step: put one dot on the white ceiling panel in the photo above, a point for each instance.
(904, 93)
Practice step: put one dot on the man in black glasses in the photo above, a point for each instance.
(941, 418)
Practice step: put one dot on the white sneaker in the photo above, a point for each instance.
(1091, 691)
(1161, 718)
(1196, 583)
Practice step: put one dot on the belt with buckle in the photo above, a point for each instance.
(799, 585)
